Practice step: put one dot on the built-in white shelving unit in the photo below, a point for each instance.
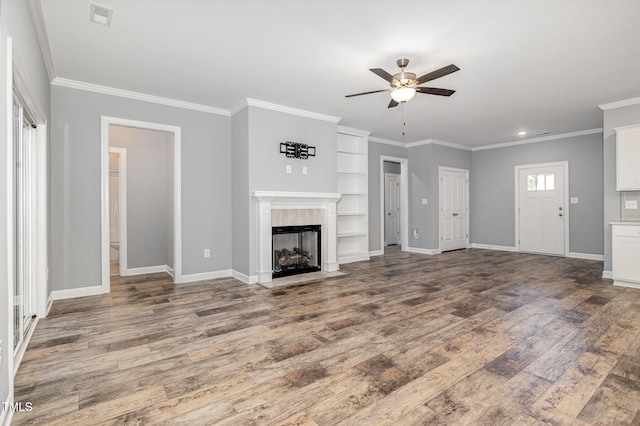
(353, 208)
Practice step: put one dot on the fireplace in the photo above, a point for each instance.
(296, 249)
(295, 209)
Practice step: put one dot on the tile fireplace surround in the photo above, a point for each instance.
(296, 208)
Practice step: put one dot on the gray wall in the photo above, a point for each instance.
(424, 164)
(375, 151)
(15, 22)
(492, 190)
(148, 198)
(266, 130)
(613, 118)
(75, 183)
(241, 197)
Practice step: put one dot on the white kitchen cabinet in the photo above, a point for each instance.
(626, 254)
(628, 158)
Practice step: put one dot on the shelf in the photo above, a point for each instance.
(352, 234)
(353, 238)
(353, 173)
(351, 153)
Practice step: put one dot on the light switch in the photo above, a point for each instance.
(424, 201)
(304, 170)
(289, 168)
(631, 204)
(574, 200)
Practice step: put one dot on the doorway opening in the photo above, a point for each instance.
(542, 219)
(394, 202)
(392, 211)
(118, 211)
(144, 229)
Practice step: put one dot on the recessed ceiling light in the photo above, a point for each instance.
(100, 14)
(522, 133)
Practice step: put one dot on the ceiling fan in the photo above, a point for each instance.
(405, 85)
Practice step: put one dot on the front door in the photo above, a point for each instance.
(454, 199)
(391, 208)
(541, 209)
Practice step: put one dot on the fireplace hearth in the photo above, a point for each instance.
(296, 249)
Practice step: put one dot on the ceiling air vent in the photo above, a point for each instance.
(100, 14)
(542, 133)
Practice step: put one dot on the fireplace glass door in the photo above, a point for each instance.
(296, 250)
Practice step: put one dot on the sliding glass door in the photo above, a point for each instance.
(24, 193)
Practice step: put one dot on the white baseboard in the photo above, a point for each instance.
(147, 270)
(189, 278)
(244, 278)
(376, 253)
(423, 251)
(492, 247)
(350, 259)
(607, 275)
(76, 292)
(586, 256)
(626, 284)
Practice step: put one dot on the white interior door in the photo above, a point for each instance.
(391, 208)
(454, 211)
(542, 210)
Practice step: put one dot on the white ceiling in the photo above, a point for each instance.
(535, 65)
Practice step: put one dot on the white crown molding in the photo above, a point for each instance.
(89, 87)
(438, 142)
(451, 144)
(541, 139)
(352, 131)
(37, 13)
(386, 141)
(281, 108)
(620, 104)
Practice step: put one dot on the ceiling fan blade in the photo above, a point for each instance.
(392, 104)
(382, 73)
(366, 93)
(438, 73)
(435, 91)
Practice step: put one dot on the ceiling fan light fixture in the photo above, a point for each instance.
(403, 94)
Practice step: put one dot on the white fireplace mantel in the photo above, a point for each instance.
(269, 200)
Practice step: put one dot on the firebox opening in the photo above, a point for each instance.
(296, 250)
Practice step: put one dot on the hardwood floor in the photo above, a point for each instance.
(473, 337)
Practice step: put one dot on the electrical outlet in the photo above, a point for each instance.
(424, 201)
(574, 200)
(207, 253)
(415, 233)
(288, 168)
(304, 170)
(631, 204)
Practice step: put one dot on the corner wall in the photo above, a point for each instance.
(492, 190)
(15, 23)
(75, 183)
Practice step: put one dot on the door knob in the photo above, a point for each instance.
(455, 214)
(560, 214)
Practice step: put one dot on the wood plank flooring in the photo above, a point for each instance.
(472, 337)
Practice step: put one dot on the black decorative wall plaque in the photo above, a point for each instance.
(297, 150)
